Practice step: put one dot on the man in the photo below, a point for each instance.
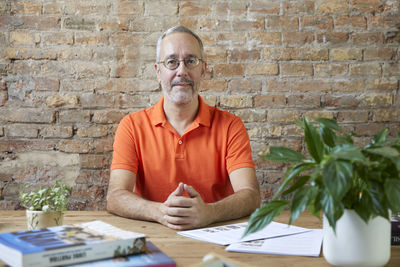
(181, 162)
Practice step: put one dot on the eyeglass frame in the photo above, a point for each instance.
(180, 60)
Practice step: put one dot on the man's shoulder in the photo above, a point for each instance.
(138, 116)
(224, 115)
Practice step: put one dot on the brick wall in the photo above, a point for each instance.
(70, 70)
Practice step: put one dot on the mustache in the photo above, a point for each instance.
(182, 80)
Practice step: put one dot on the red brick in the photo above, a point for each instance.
(239, 55)
(304, 101)
(213, 85)
(339, 54)
(314, 114)
(262, 69)
(298, 38)
(229, 70)
(316, 22)
(125, 39)
(24, 38)
(298, 7)
(236, 101)
(262, 7)
(193, 8)
(208, 24)
(24, 146)
(130, 7)
(56, 131)
(31, 8)
(298, 86)
(348, 86)
(108, 116)
(270, 101)
(296, 69)
(282, 115)
(120, 23)
(79, 23)
(248, 25)
(30, 53)
(128, 70)
(74, 116)
(39, 22)
(381, 84)
(46, 84)
(351, 22)
(263, 38)
(74, 146)
(391, 69)
(333, 37)
(367, 38)
(92, 131)
(345, 101)
(98, 100)
(101, 145)
(237, 8)
(374, 100)
(3, 98)
(365, 69)
(376, 53)
(53, 8)
(67, 100)
(215, 54)
(252, 115)
(91, 70)
(76, 53)
(245, 85)
(28, 115)
(352, 116)
(86, 7)
(332, 7)
(366, 6)
(331, 69)
(22, 130)
(95, 161)
(369, 129)
(231, 38)
(282, 22)
(90, 38)
(385, 115)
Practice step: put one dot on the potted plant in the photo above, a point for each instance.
(45, 206)
(355, 189)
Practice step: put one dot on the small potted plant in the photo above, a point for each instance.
(355, 189)
(45, 206)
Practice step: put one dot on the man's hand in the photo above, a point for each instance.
(181, 212)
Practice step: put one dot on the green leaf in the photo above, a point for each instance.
(300, 201)
(363, 206)
(329, 123)
(283, 154)
(313, 141)
(380, 137)
(347, 152)
(291, 173)
(387, 152)
(392, 193)
(333, 210)
(328, 136)
(337, 176)
(297, 184)
(377, 195)
(262, 216)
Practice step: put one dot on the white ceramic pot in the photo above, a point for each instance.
(357, 243)
(39, 219)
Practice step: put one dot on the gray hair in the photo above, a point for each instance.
(178, 29)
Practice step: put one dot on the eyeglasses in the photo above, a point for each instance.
(173, 63)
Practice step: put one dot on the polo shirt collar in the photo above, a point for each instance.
(203, 117)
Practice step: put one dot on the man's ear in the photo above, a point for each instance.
(204, 69)
(157, 68)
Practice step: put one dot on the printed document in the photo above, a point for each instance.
(302, 244)
(232, 233)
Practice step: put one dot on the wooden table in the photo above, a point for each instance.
(185, 251)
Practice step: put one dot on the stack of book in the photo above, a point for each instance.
(395, 221)
(93, 243)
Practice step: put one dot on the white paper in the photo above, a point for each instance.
(232, 233)
(302, 244)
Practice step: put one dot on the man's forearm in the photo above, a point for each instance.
(237, 205)
(127, 204)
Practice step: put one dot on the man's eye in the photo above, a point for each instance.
(190, 61)
(172, 62)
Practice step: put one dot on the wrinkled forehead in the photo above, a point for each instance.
(180, 45)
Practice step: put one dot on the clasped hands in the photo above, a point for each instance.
(181, 212)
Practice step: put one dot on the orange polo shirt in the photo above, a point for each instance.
(215, 144)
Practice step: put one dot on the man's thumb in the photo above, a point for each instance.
(190, 190)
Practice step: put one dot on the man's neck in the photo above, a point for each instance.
(180, 116)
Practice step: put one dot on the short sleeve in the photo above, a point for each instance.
(124, 154)
(238, 147)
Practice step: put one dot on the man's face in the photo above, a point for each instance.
(180, 85)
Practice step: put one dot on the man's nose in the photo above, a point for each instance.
(182, 70)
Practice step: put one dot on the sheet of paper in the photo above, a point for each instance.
(232, 233)
(302, 244)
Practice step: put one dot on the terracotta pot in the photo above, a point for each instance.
(39, 219)
(357, 243)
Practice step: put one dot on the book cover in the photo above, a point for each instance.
(153, 257)
(395, 238)
(68, 244)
